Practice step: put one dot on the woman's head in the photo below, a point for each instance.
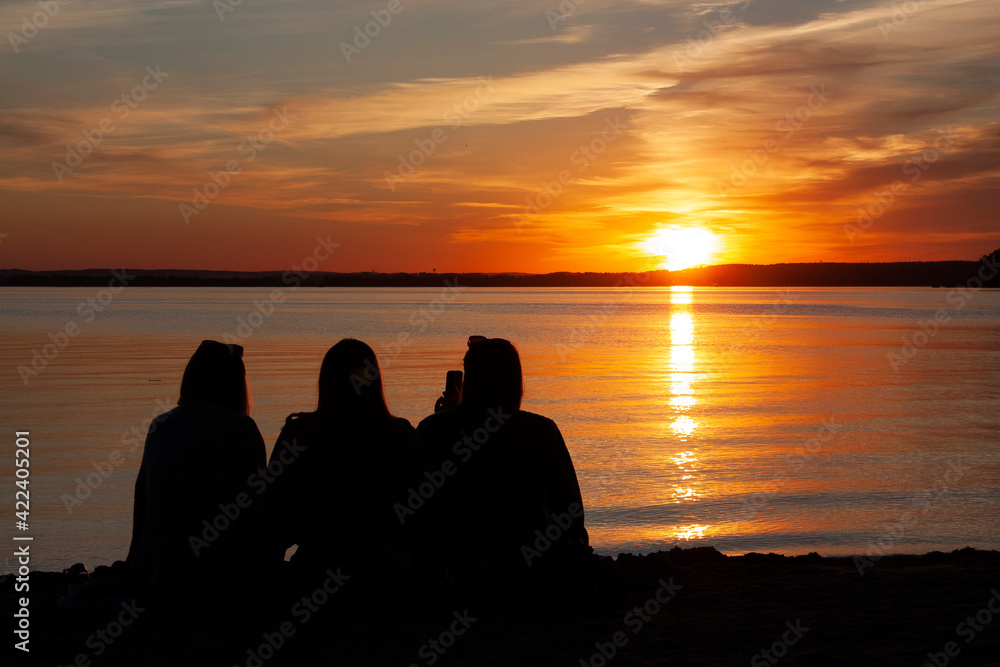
(350, 379)
(492, 374)
(216, 374)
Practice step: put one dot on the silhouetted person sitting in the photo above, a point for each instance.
(345, 466)
(196, 462)
(510, 502)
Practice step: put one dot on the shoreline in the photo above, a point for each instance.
(805, 610)
(633, 554)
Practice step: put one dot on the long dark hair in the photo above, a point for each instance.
(350, 381)
(216, 374)
(493, 375)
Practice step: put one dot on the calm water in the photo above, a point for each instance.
(746, 419)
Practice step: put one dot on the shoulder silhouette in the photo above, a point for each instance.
(511, 505)
(343, 469)
(197, 461)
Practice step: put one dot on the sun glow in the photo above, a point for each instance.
(682, 247)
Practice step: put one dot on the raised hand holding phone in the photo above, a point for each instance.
(452, 395)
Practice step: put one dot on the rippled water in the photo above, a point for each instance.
(747, 419)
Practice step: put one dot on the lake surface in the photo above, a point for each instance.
(790, 420)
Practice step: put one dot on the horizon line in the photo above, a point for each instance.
(492, 273)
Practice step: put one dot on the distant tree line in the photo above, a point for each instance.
(823, 274)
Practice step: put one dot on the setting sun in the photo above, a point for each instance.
(682, 247)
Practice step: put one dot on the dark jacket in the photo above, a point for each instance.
(512, 481)
(189, 530)
(335, 497)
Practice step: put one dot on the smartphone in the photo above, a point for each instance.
(453, 383)
(452, 394)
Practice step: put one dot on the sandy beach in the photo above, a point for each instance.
(753, 610)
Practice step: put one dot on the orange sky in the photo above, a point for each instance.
(518, 137)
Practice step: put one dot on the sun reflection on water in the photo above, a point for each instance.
(680, 384)
(692, 532)
(683, 426)
(682, 402)
(680, 294)
(685, 462)
(682, 358)
(682, 458)
(682, 361)
(681, 329)
(682, 493)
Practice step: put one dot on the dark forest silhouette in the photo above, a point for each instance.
(816, 274)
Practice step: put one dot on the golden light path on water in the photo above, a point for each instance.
(682, 375)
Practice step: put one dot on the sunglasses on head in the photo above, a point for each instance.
(476, 339)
